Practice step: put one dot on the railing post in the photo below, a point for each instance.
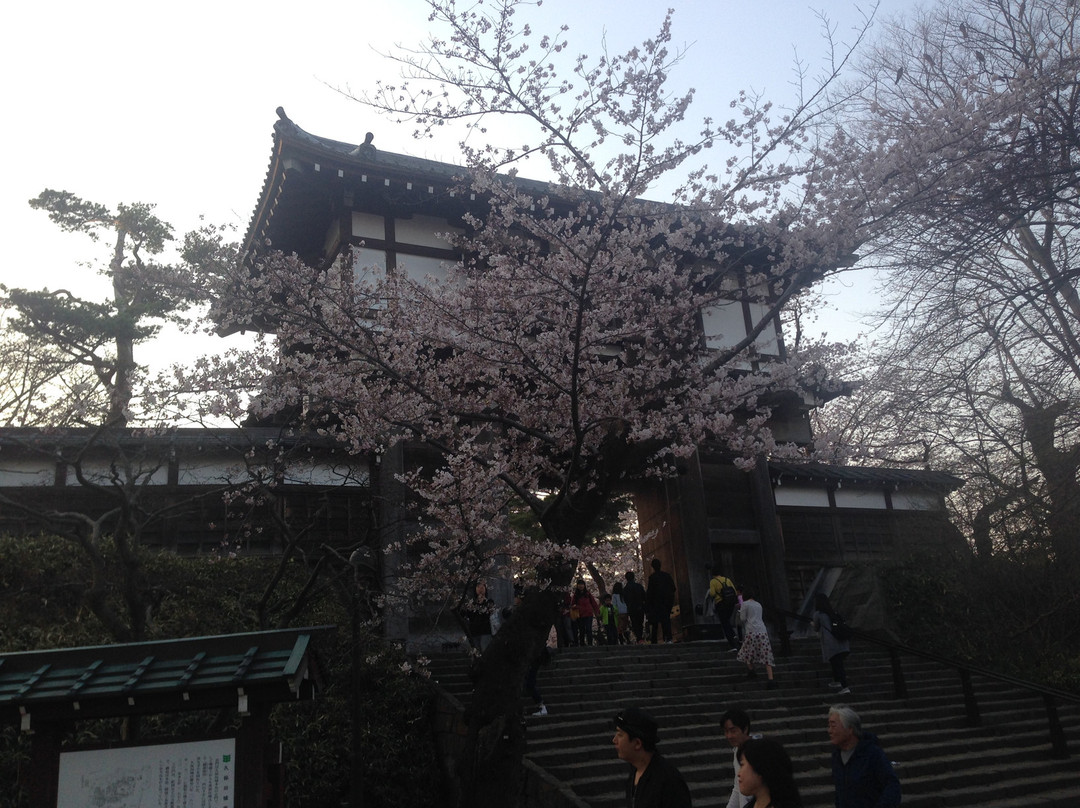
(971, 706)
(1057, 732)
(781, 630)
(899, 685)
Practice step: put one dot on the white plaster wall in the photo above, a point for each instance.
(855, 498)
(208, 471)
(419, 267)
(766, 340)
(802, 497)
(325, 474)
(101, 472)
(915, 501)
(723, 324)
(28, 471)
(368, 259)
(424, 230)
(368, 225)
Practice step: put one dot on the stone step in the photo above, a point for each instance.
(803, 744)
(590, 680)
(1043, 787)
(940, 758)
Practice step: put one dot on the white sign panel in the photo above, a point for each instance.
(201, 774)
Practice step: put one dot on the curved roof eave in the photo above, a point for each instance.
(780, 471)
(290, 142)
(288, 138)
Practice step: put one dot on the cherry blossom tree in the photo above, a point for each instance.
(564, 357)
(975, 103)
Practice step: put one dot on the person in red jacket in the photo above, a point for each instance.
(587, 610)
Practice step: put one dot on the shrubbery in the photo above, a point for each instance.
(1014, 615)
(41, 583)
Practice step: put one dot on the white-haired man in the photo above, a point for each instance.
(862, 774)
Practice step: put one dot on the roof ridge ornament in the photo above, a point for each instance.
(365, 149)
(285, 123)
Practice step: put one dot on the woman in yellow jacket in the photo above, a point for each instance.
(722, 590)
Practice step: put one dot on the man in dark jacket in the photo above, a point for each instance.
(862, 774)
(659, 598)
(634, 595)
(652, 781)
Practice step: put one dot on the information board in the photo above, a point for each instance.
(199, 774)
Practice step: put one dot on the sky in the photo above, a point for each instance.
(174, 104)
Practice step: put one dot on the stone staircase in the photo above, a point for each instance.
(1005, 762)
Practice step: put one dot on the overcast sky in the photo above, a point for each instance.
(174, 104)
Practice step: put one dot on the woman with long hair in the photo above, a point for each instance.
(766, 775)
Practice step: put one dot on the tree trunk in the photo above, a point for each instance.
(982, 524)
(489, 771)
(1059, 468)
(120, 395)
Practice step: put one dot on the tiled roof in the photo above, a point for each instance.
(159, 676)
(364, 158)
(38, 439)
(782, 471)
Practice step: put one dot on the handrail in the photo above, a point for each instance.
(1051, 695)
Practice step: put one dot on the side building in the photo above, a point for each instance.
(188, 491)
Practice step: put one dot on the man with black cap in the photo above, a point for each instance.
(653, 782)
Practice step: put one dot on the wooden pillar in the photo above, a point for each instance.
(275, 776)
(772, 539)
(251, 744)
(777, 590)
(691, 555)
(42, 777)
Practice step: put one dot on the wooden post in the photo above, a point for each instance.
(899, 685)
(971, 706)
(42, 777)
(1057, 732)
(251, 743)
(776, 587)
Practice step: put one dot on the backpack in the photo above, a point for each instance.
(839, 628)
(727, 593)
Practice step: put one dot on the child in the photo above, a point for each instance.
(622, 613)
(609, 619)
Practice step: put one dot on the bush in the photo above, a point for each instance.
(1013, 615)
(41, 581)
